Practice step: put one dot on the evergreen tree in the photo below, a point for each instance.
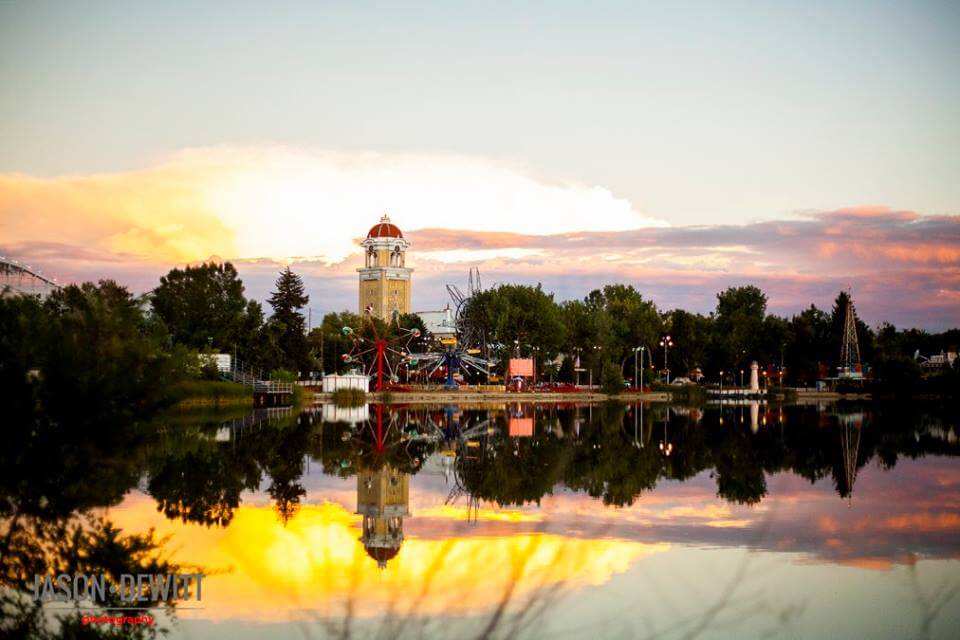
(287, 301)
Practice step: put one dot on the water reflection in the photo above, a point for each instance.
(348, 515)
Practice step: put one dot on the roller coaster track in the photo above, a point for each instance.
(21, 279)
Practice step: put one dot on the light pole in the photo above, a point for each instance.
(577, 364)
(536, 359)
(666, 342)
(741, 378)
(596, 348)
(638, 367)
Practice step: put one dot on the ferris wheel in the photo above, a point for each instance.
(379, 355)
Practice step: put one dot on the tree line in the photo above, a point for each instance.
(605, 329)
(100, 342)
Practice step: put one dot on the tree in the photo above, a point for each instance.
(611, 380)
(609, 323)
(807, 348)
(739, 318)
(328, 342)
(88, 345)
(691, 333)
(517, 314)
(567, 371)
(630, 321)
(204, 307)
(288, 322)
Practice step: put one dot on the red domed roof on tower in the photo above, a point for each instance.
(382, 554)
(385, 229)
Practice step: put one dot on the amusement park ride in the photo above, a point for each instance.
(382, 356)
(379, 354)
(459, 353)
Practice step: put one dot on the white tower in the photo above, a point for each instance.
(754, 377)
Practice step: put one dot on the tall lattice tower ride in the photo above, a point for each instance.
(850, 347)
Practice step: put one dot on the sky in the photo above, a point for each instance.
(679, 147)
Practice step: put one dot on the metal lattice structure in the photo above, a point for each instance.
(850, 347)
(379, 355)
(17, 278)
(851, 426)
(467, 334)
(463, 352)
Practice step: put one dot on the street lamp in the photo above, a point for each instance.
(577, 365)
(596, 348)
(638, 357)
(741, 378)
(666, 342)
(536, 359)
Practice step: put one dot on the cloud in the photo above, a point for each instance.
(279, 202)
(265, 208)
(902, 266)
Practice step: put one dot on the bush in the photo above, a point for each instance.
(209, 371)
(283, 375)
(349, 397)
(896, 375)
(211, 391)
(611, 381)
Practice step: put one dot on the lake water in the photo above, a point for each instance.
(541, 521)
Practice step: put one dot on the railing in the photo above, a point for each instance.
(252, 377)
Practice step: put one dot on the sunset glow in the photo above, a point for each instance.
(260, 568)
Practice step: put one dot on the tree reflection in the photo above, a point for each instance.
(51, 479)
(196, 468)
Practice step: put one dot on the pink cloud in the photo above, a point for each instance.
(903, 267)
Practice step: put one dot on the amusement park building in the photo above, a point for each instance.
(385, 281)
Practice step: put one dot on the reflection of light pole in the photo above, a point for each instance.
(666, 342)
(665, 447)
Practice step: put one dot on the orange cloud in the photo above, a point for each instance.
(153, 215)
(924, 522)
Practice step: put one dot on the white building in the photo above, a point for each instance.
(441, 324)
(335, 382)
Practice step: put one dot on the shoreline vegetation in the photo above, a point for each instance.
(98, 345)
(348, 397)
(212, 393)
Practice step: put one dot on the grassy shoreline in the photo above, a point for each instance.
(211, 393)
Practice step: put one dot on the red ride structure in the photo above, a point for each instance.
(380, 353)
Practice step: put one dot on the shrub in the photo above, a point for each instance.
(349, 397)
(611, 381)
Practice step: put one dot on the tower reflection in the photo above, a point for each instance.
(383, 499)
